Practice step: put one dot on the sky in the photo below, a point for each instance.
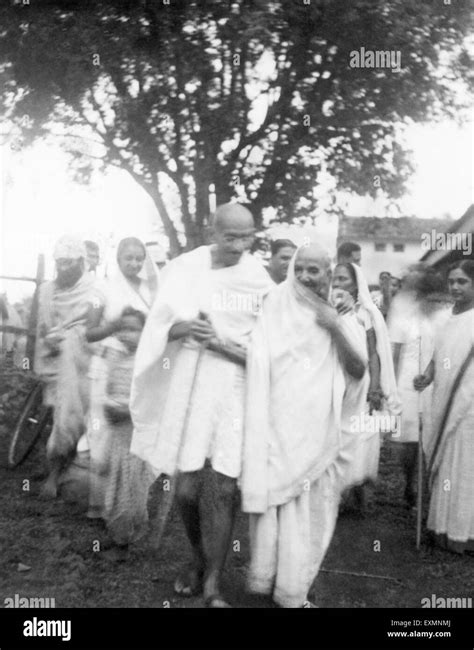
(39, 201)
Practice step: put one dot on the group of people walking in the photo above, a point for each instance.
(262, 375)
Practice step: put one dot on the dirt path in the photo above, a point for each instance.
(59, 546)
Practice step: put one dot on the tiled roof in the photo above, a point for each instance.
(393, 229)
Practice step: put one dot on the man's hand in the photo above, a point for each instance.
(326, 316)
(53, 340)
(199, 328)
(421, 382)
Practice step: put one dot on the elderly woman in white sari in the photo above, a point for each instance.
(291, 478)
(119, 481)
(376, 393)
(450, 447)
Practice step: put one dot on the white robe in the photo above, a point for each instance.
(291, 478)
(186, 402)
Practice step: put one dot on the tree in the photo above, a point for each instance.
(254, 96)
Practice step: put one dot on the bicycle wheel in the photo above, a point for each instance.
(29, 426)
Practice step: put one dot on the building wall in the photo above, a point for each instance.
(373, 262)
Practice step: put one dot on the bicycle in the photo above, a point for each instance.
(34, 418)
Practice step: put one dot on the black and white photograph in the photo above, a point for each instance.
(236, 323)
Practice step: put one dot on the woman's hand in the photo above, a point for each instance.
(344, 302)
(375, 399)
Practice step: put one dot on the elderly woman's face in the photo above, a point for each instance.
(131, 261)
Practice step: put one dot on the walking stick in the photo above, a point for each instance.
(158, 527)
(419, 496)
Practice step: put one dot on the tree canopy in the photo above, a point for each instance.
(256, 97)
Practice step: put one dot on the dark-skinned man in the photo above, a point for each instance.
(62, 354)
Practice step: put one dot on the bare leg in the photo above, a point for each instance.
(49, 489)
(188, 490)
(224, 515)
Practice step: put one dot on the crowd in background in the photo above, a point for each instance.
(403, 348)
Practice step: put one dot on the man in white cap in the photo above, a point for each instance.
(62, 354)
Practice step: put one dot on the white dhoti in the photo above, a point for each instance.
(211, 423)
(292, 473)
(288, 543)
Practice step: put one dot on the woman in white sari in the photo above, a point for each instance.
(450, 448)
(119, 481)
(375, 393)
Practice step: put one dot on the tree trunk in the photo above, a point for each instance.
(170, 229)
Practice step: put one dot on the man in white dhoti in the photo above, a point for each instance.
(187, 401)
(62, 354)
(291, 479)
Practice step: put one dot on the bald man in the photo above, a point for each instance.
(187, 400)
(292, 469)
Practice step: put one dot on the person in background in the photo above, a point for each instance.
(349, 253)
(282, 250)
(157, 254)
(118, 481)
(93, 256)
(9, 316)
(382, 296)
(415, 316)
(62, 354)
(395, 286)
(379, 385)
(450, 447)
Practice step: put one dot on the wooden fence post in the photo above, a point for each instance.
(33, 321)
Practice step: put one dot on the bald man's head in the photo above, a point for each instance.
(229, 215)
(233, 231)
(313, 269)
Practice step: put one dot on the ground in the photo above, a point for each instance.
(58, 546)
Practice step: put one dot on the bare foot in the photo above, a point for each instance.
(216, 601)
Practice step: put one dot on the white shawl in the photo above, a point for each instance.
(294, 396)
(231, 297)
